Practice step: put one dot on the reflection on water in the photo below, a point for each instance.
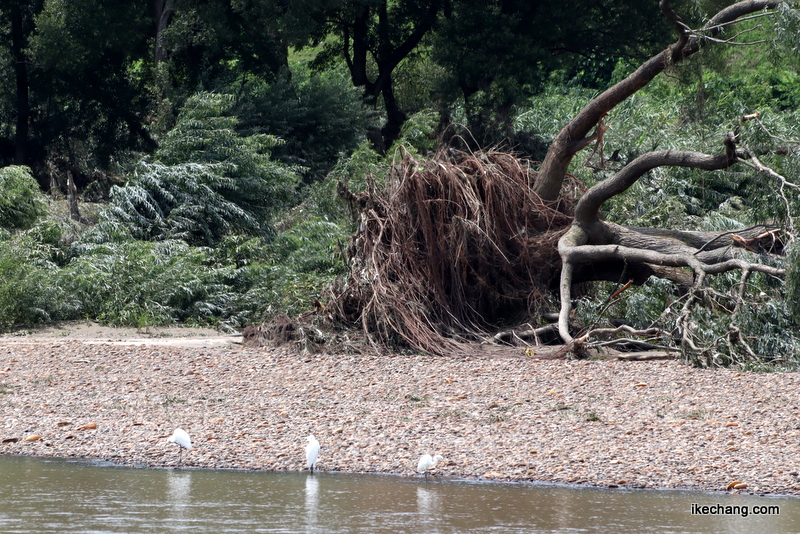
(426, 504)
(312, 502)
(46, 495)
(179, 483)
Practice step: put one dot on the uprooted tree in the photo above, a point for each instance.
(464, 245)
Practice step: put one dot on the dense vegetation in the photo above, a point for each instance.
(209, 143)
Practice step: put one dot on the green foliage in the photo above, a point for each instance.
(179, 202)
(87, 99)
(546, 113)
(419, 132)
(764, 323)
(497, 56)
(787, 29)
(27, 292)
(689, 110)
(321, 116)
(207, 185)
(46, 276)
(21, 202)
(289, 274)
(309, 247)
(142, 284)
(793, 283)
(206, 182)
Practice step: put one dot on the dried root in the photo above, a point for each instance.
(449, 250)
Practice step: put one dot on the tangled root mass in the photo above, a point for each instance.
(449, 250)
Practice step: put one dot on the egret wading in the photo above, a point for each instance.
(312, 451)
(182, 439)
(426, 463)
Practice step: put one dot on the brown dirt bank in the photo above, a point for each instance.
(633, 424)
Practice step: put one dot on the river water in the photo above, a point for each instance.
(55, 495)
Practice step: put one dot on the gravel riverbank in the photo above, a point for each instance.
(608, 423)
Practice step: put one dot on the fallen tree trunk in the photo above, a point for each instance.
(464, 245)
(590, 240)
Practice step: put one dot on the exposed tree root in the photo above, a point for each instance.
(450, 250)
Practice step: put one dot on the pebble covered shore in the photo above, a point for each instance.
(605, 423)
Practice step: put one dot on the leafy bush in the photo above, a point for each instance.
(321, 117)
(21, 202)
(140, 283)
(206, 181)
(30, 288)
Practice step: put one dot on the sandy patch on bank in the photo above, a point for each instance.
(92, 332)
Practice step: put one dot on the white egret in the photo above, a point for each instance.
(182, 439)
(426, 463)
(312, 451)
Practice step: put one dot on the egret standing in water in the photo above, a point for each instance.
(426, 463)
(181, 438)
(312, 451)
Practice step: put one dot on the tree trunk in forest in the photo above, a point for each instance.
(162, 13)
(72, 199)
(395, 117)
(387, 56)
(22, 87)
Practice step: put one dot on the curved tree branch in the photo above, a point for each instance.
(588, 207)
(594, 242)
(571, 137)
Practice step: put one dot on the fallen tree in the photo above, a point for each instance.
(450, 249)
(461, 246)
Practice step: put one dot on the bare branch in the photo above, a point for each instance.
(572, 135)
(649, 332)
(525, 335)
(755, 116)
(742, 19)
(730, 41)
(683, 322)
(588, 207)
(760, 167)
